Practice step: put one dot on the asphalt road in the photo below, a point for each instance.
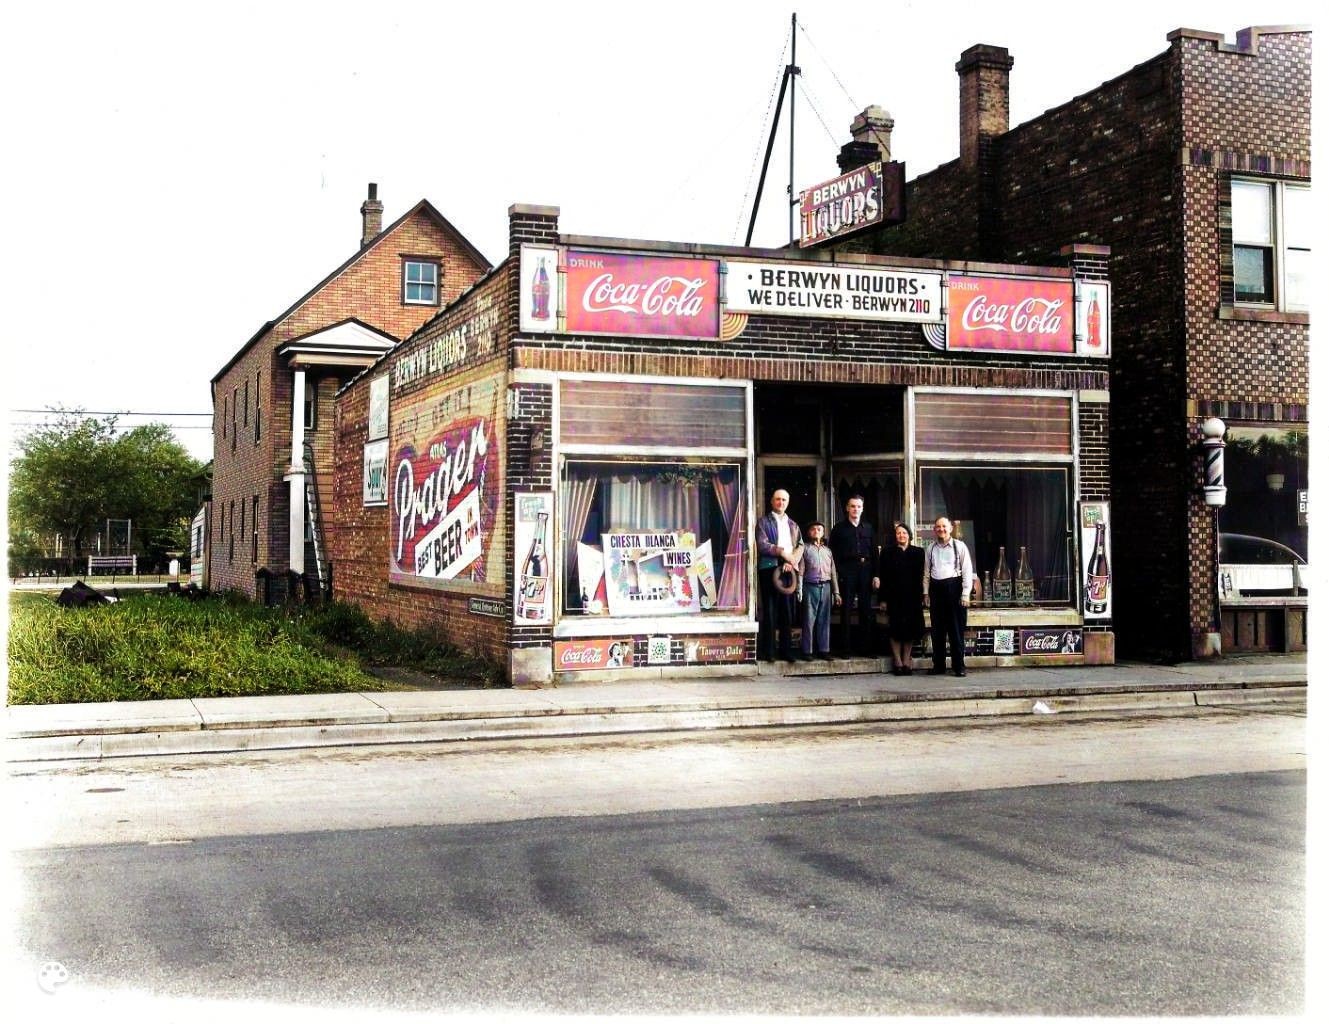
(1180, 894)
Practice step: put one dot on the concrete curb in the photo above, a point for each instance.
(360, 721)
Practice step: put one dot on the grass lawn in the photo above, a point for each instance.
(150, 646)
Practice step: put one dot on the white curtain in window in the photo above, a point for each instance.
(580, 493)
(635, 503)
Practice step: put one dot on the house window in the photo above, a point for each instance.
(258, 407)
(420, 283)
(311, 403)
(230, 541)
(1271, 248)
(235, 402)
(253, 525)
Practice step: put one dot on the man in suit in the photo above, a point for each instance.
(779, 546)
(950, 579)
(854, 546)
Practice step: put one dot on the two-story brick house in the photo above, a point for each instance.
(1192, 173)
(272, 400)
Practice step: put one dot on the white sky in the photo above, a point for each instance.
(177, 174)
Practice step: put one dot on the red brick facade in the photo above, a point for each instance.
(1143, 165)
(251, 459)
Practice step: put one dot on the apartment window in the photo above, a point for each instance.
(1271, 247)
(246, 418)
(420, 283)
(231, 540)
(225, 415)
(253, 526)
(235, 401)
(258, 407)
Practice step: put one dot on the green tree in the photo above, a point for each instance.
(70, 476)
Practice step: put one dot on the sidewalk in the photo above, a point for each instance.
(774, 698)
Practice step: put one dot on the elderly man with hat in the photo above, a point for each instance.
(779, 556)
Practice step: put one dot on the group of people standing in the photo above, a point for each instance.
(843, 571)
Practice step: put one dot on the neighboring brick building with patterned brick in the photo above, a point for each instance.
(273, 399)
(1193, 171)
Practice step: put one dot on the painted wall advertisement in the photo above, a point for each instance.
(375, 490)
(810, 289)
(1093, 318)
(590, 655)
(1010, 315)
(1096, 559)
(532, 541)
(710, 650)
(444, 485)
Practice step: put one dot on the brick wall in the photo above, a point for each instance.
(1141, 164)
(370, 290)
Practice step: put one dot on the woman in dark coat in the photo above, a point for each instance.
(901, 592)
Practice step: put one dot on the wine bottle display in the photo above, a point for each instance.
(533, 594)
(1024, 580)
(1001, 580)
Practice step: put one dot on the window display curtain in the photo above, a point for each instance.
(734, 576)
(636, 503)
(580, 494)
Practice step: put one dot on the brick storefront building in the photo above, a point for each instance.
(562, 468)
(1192, 173)
(272, 401)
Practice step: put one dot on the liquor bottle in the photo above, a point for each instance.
(1001, 580)
(1100, 576)
(1095, 318)
(540, 293)
(988, 596)
(533, 595)
(1024, 579)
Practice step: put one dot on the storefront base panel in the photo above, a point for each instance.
(531, 667)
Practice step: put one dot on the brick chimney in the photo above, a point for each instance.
(371, 217)
(871, 132)
(985, 98)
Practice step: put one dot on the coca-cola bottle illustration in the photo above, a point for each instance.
(1024, 579)
(533, 592)
(1001, 579)
(540, 293)
(1095, 326)
(1100, 576)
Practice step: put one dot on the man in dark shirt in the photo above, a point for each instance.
(854, 546)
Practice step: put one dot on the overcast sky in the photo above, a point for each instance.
(177, 174)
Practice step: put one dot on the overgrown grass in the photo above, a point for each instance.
(152, 646)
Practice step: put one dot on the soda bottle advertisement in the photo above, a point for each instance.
(1093, 318)
(533, 544)
(1096, 559)
(539, 288)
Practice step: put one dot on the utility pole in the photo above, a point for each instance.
(791, 70)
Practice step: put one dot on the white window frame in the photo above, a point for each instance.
(1278, 242)
(435, 272)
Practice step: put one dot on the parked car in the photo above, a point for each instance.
(1258, 567)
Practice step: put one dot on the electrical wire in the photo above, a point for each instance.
(756, 155)
(804, 29)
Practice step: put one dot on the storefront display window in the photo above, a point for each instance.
(1266, 470)
(999, 506)
(654, 497)
(651, 538)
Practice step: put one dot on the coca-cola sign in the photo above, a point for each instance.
(1010, 314)
(652, 296)
(589, 655)
(1051, 641)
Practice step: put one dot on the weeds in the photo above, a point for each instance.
(152, 646)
